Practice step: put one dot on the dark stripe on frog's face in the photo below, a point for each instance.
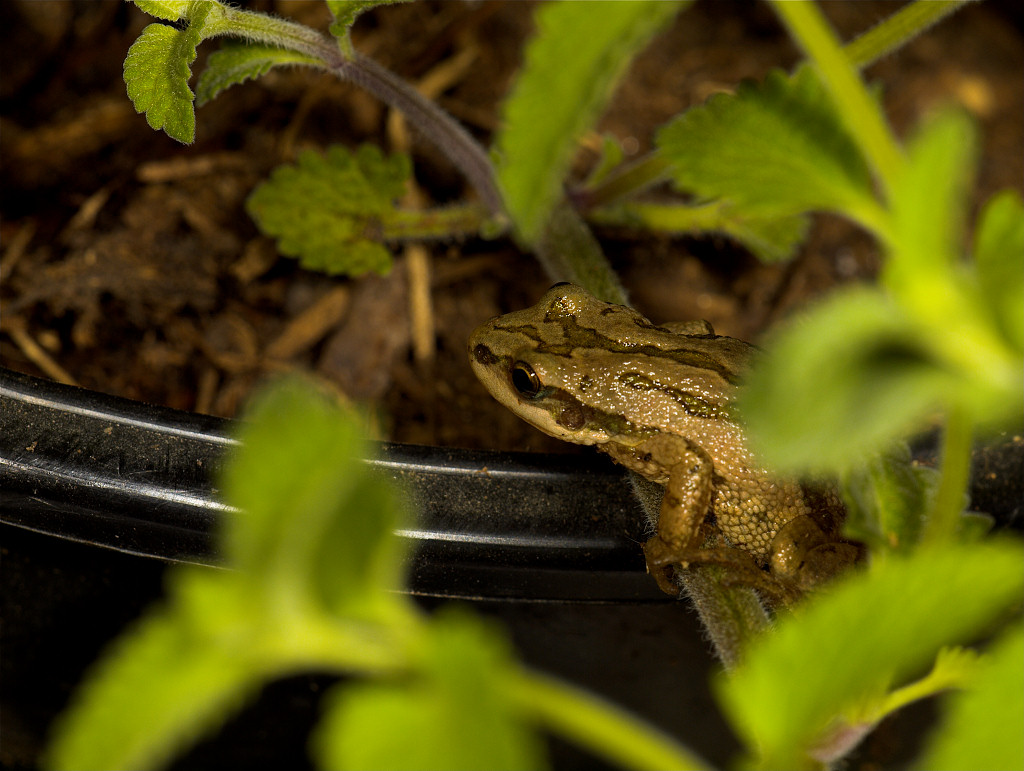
(691, 403)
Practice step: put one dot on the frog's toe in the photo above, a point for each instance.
(661, 562)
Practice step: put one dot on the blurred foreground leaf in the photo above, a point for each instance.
(863, 637)
(982, 729)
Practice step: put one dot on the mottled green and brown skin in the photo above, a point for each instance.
(658, 400)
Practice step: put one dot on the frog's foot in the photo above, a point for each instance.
(738, 566)
(661, 564)
(807, 557)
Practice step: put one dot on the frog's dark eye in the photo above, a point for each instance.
(525, 380)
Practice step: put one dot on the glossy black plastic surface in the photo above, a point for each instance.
(119, 474)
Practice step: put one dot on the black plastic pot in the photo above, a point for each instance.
(99, 494)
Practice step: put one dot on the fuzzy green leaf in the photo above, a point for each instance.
(161, 686)
(325, 209)
(236, 63)
(345, 13)
(982, 729)
(844, 380)
(452, 715)
(307, 456)
(775, 147)
(999, 256)
(864, 636)
(885, 498)
(169, 10)
(315, 565)
(572, 66)
(770, 239)
(156, 73)
(929, 205)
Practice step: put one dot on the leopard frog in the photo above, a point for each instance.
(659, 400)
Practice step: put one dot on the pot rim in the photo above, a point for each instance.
(120, 474)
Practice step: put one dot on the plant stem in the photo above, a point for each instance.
(622, 182)
(898, 29)
(597, 725)
(437, 125)
(569, 252)
(263, 28)
(446, 222)
(860, 111)
(731, 615)
(948, 506)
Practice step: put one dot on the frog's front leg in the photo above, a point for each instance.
(683, 510)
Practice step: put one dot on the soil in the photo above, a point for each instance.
(130, 266)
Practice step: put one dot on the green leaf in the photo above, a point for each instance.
(885, 499)
(170, 10)
(315, 524)
(325, 209)
(162, 685)
(862, 637)
(610, 159)
(770, 238)
(846, 379)
(345, 13)
(928, 207)
(236, 63)
(571, 68)
(982, 729)
(451, 715)
(998, 250)
(776, 148)
(156, 73)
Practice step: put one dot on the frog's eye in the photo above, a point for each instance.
(525, 380)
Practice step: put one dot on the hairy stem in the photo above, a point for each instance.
(897, 30)
(433, 122)
(437, 125)
(569, 252)
(731, 615)
(623, 182)
(262, 28)
(447, 222)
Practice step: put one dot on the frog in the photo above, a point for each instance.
(659, 399)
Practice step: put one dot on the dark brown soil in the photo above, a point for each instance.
(129, 265)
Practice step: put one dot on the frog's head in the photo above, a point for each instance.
(544, 363)
(591, 372)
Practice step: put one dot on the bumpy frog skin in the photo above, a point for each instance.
(658, 400)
